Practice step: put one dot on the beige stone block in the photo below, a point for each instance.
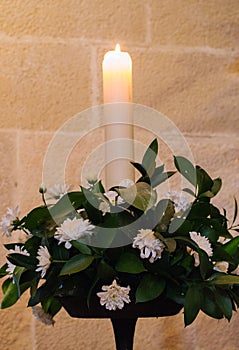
(195, 23)
(8, 179)
(32, 149)
(107, 20)
(69, 334)
(219, 156)
(8, 174)
(197, 92)
(43, 84)
(15, 324)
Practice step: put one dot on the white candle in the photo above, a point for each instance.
(117, 87)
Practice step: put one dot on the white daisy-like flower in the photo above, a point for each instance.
(6, 225)
(114, 296)
(39, 313)
(202, 242)
(58, 191)
(19, 250)
(104, 207)
(150, 246)
(221, 266)
(180, 201)
(44, 260)
(73, 229)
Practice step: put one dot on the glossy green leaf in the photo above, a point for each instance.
(105, 271)
(235, 211)
(140, 168)
(204, 181)
(141, 196)
(186, 168)
(192, 304)
(36, 218)
(149, 157)
(29, 262)
(221, 279)
(83, 248)
(11, 296)
(76, 264)
(224, 302)
(232, 246)
(150, 288)
(157, 180)
(3, 271)
(130, 262)
(67, 204)
(18, 271)
(209, 305)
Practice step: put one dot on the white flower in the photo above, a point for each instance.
(19, 250)
(180, 201)
(42, 316)
(58, 191)
(44, 260)
(74, 229)
(104, 207)
(6, 225)
(202, 242)
(221, 266)
(111, 196)
(114, 296)
(148, 245)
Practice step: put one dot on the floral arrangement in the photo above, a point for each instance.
(126, 246)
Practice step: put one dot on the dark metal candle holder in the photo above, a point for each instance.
(123, 321)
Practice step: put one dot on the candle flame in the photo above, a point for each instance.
(117, 48)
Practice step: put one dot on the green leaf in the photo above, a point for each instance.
(205, 264)
(149, 157)
(192, 304)
(11, 296)
(209, 305)
(130, 262)
(186, 168)
(18, 271)
(83, 248)
(105, 271)
(224, 302)
(222, 279)
(67, 204)
(204, 181)
(150, 288)
(235, 211)
(140, 168)
(141, 196)
(29, 262)
(3, 271)
(217, 184)
(37, 218)
(160, 178)
(232, 246)
(76, 264)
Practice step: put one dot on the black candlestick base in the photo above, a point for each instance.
(123, 321)
(124, 332)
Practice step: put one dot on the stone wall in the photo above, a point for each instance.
(186, 65)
